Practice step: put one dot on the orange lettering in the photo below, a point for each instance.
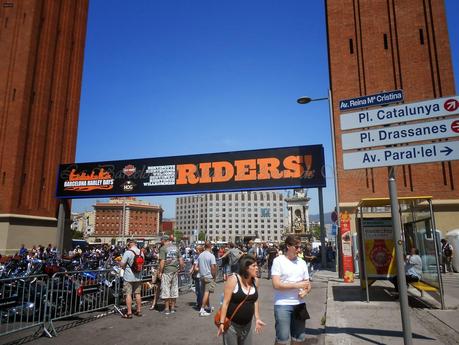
(308, 164)
(186, 174)
(293, 166)
(205, 172)
(269, 169)
(223, 171)
(246, 170)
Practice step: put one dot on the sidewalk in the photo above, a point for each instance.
(351, 320)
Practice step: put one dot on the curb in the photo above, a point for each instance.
(333, 321)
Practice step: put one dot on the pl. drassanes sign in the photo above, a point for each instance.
(290, 167)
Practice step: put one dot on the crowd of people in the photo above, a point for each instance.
(242, 265)
(288, 265)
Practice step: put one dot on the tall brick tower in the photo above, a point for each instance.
(41, 60)
(383, 45)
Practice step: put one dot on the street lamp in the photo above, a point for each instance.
(306, 100)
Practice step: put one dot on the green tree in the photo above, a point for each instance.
(202, 236)
(77, 235)
(177, 235)
(315, 231)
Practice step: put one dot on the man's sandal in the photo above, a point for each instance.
(138, 313)
(127, 316)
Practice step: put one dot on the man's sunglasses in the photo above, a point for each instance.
(296, 247)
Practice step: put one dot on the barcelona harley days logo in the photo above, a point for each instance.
(84, 182)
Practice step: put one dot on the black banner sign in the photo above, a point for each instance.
(278, 168)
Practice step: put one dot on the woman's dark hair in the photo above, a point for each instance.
(244, 262)
(292, 240)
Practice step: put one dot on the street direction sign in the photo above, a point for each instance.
(371, 100)
(434, 152)
(401, 113)
(401, 134)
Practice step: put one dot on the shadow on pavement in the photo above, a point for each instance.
(356, 293)
(359, 332)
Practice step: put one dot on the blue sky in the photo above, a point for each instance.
(177, 77)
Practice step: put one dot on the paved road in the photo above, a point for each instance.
(185, 327)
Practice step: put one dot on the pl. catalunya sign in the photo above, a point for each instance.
(288, 167)
(399, 134)
(401, 113)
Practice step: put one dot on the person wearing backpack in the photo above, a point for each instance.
(170, 262)
(447, 255)
(131, 263)
(233, 255)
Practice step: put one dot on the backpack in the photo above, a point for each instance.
(234, 258)
(137, 264)
(447, 250)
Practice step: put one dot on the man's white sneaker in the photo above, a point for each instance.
(204, 313)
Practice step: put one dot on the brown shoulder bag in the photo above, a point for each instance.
(227, 322)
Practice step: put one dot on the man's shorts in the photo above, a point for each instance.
(169, 285)
(129, 287)
(208, 284)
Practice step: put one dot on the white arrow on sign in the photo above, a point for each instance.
(401, 134)
(401, 113)
(443, 151)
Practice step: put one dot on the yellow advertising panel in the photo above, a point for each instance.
(379, 248)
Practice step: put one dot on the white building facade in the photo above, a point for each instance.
(232, 216)
(84, 222)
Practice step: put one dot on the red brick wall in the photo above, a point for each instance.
(141, 220)
(423, 71)
(41, 61)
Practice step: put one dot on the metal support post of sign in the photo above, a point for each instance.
(60, 231)
(322, 229)
(437, 256)
(364, 255)
(335, 176)
(396, 225)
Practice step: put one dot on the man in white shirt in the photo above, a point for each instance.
(132, 280)
(290, 279)
(413, 268)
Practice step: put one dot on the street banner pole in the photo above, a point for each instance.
(399, 244)
(60, 231)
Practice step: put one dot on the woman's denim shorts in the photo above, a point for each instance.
(287, 325)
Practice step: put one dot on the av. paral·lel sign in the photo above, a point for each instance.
(288, 167)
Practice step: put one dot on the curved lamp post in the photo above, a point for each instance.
(306, 100)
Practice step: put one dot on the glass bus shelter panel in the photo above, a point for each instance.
(419, 235)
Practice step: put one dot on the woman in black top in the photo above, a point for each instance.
(237, 288)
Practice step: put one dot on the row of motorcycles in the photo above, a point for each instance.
(31, 288)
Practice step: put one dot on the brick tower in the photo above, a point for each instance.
(383, 45)
(41, 60)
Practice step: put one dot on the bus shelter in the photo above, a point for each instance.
(376, 242)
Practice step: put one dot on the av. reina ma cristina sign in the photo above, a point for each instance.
(277, 168)
(371, 100)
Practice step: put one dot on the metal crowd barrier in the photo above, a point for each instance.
(79, 292)
(185, 282)
(220, 274)
(148, 289)
(39, 301)
(23, 303)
